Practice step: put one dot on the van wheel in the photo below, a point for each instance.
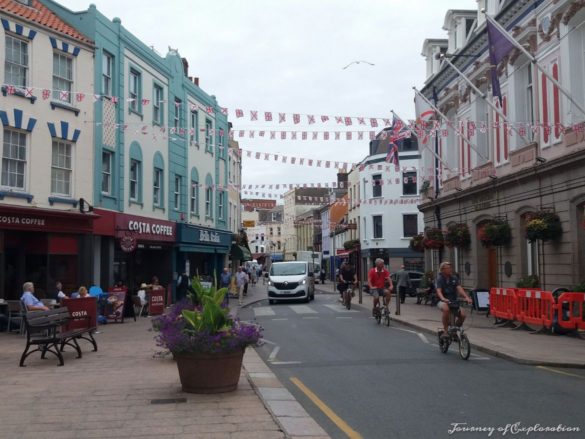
(270, 301)
(308, 298)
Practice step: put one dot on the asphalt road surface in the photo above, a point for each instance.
(359, 379)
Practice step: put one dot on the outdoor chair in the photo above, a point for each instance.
(16, 312)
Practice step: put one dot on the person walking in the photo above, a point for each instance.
(225, 279)
(247, 281)
(241, 282)
(182, 286)
(403, 283)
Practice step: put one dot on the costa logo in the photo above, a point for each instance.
(128, 243)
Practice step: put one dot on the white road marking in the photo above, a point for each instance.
(337, 308)
(303, 309)
(273, 354)
(277, 320)
(343, 317)
(264, 311)
(422, 337)
(310, 318)
(276, 363)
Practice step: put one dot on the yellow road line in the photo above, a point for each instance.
(340, 423)
(550, 369)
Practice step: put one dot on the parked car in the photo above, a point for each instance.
(415, 280)
(291, 280)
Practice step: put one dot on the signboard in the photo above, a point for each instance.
(44, 220)
(249, 223)
(250, 205)
(143, 228)
(113, 307)
(156, 301)
(81, 310)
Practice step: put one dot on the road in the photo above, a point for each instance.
(360, 379)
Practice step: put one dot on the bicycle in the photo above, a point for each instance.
(382, 313)
(455, 333)
(348, 294)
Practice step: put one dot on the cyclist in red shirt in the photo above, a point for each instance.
(380, 284)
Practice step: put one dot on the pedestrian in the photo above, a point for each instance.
(182, 286)
(29, 299)
(247, 281)
(225, 279)
(403, 283)
(59, 294)
(322, 275)
(347, 279)
(241, 281)
(83, 293)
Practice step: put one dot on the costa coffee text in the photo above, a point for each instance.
(150, 228)
(22, 220)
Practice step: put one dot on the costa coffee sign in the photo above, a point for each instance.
(44, 220)
(143, 228)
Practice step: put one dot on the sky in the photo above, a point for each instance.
(287, 56)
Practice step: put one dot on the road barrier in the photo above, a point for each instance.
(534, 307)
(570, 311)
(539, 308)
(503, 303)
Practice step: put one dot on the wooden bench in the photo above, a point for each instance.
(49, 332)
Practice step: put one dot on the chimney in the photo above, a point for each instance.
(196, 81)
(185, 66)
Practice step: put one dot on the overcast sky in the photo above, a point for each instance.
(288, 56)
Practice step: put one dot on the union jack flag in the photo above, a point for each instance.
(310, 119)
(239, 113)
(253, 115)
(296, 118)
(79, 97)
(268, 116)
(324, 118)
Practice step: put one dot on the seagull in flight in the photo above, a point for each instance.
(357, 62)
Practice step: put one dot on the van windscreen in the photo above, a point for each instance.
(288, 269)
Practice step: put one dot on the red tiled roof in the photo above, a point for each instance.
(40, 14)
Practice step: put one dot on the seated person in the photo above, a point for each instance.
(83, 292)
(60, 293)
(29, 299)
(142, 294)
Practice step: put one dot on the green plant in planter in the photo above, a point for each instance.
(433, 239)
(531, 281)
(416, 243)
(544, 226)
(496, 233)
(458, 235)
(579, 288)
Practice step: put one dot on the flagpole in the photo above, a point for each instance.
(483, 96)
(465, 139)
(533, 60)
(426, 146)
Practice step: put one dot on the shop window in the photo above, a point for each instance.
(14, 161)
(16, 61)
(107, 159)
(177, 192)
(377, 186)
(410, 225)
(377, 226)
(61, 168)
(62, 77)
(157, 105)
(409, 186)
(107, 73)
(157, 187)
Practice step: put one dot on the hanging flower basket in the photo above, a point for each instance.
(416, 243)
(495, 233)
(545, 226)
(457, 235)
(433, 239)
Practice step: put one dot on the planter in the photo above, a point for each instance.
(545, 226)
(458, 235)
(416, 243)
(433, 239)
(495, 233)
(209, 373)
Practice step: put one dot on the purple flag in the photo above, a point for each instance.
(499, 46)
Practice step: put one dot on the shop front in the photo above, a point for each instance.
(202, 251)
(133, 249)
(44, 246)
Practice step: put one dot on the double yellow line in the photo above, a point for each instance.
(340, 423)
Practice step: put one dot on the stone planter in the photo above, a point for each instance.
(209, 373)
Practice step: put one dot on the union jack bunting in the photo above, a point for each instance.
(338, 119)
(46, 94)
(348, 121)
(311, 119)
(145, 101)
(79, 97)
(64, 95)
(361, 120)
(373, 122)
(239, 113)
(253, 115)
(209, 110)
(296, 118)
(281, 117)
(224, 110)
(324, 118)
(268, 116)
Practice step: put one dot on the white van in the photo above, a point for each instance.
(291, 280)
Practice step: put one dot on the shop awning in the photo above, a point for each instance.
(240, 253)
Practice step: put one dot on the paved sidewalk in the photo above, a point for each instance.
(110, 394)
(516, 345)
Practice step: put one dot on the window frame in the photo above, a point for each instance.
(177, 115)
(25, 67)
(194, 198)
(407, 174)
(404, 225)
(17, 160)
(208, 202)
(380, 227)
(220, 206)
(377, 185)
(160, 172)
(135, 91)
(194, 121)
(134, 181)
(107, 73)
(58, 167)
(158, 104)
(177, 193)
(69, 81)
(208, 135)
(109, 173)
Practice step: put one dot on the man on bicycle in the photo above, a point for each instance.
(347, 277)
(448, 289)
(380, 284)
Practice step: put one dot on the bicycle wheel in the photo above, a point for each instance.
(464, 347)
(347, 297)
(378, 315)
(387, 317)
(443, 344)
